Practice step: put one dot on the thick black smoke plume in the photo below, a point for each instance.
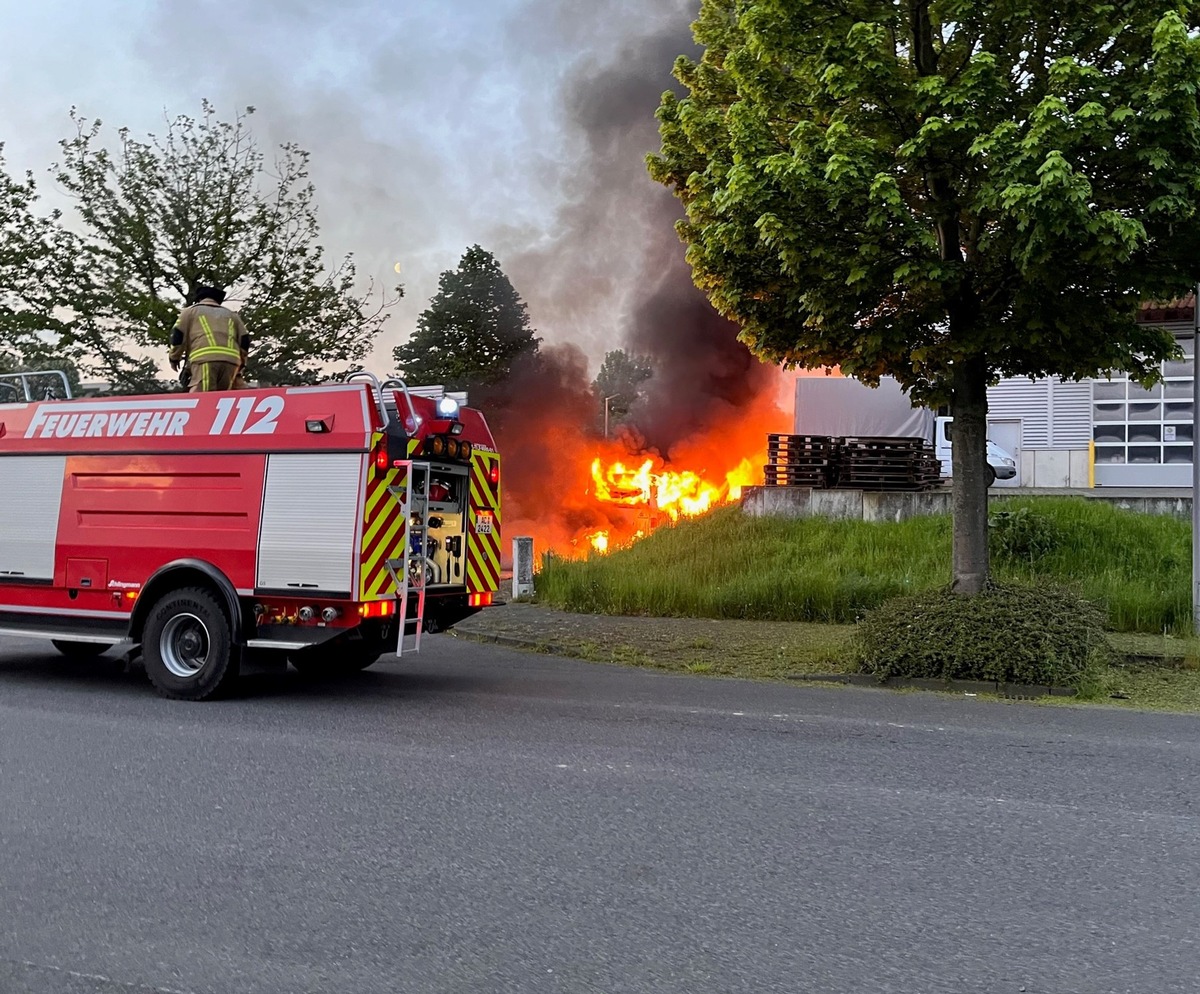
(616, 263)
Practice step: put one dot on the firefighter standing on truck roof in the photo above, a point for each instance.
(213, 340)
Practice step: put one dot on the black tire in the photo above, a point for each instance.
(187, 646)
(334, 660)
(990, 472)
(80, 650)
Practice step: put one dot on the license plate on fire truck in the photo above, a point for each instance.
(483, 523)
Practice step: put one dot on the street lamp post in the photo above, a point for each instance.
(1196, 461)
(606, 400)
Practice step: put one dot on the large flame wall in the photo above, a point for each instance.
(575, 491)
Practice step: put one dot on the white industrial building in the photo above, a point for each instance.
(1063, 433)
(1103, 433)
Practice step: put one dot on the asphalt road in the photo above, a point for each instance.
(478, 820)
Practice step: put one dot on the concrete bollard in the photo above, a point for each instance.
(522, 567)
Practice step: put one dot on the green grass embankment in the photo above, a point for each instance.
(727, 565)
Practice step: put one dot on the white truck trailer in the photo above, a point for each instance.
(843, 407)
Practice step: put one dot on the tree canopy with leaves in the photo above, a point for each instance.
(473, 330)
(946, 191)
(199, 205)
(621, 378)
(32, 248)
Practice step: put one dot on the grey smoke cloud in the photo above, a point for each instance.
(518, 124)
(614, 267)
(613, 223)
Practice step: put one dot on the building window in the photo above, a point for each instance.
(1132, 424)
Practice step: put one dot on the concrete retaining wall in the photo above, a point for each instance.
(1176, 507)
(864, 505)
(900, 506)
(869, 505)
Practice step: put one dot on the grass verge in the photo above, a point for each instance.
(752, 650)
(781, 650)
(726, 565)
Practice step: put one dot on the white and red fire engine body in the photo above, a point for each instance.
(316, 518)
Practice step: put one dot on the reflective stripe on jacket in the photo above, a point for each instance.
(208, 332)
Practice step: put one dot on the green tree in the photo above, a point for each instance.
(32, 249)
(943, 190)
(201, 204)
(473, 330)
(621, 378)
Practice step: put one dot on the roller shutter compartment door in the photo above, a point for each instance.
(33, 488)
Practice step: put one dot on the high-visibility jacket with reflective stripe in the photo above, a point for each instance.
(209, 332)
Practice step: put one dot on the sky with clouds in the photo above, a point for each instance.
(433, 124)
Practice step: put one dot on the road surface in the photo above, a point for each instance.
(479, 820)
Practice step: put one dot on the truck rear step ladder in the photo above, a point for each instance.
(408, 566)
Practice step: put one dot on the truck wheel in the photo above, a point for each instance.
(990, 473)
(80, 650)
(188, 646)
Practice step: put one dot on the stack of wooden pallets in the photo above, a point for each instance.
(823, 462)
(801, 461)
(887, 464)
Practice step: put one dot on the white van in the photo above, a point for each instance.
(1001, 463)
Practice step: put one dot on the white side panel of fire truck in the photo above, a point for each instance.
(29, 523)
(309, 523)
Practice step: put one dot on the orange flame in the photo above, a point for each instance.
(675, 494)
(619, 485)
(600, 495)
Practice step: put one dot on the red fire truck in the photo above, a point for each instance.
(215, 532)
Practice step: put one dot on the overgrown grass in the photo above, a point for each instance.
(1137, 567)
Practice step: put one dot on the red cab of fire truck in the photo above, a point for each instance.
(213, 533)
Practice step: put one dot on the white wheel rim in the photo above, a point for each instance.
(184, 645)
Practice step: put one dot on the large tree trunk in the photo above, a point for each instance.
(969, 462)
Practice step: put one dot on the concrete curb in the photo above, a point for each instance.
(511, 641)
(1014, 691)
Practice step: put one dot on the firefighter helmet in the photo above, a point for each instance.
(216, 293)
